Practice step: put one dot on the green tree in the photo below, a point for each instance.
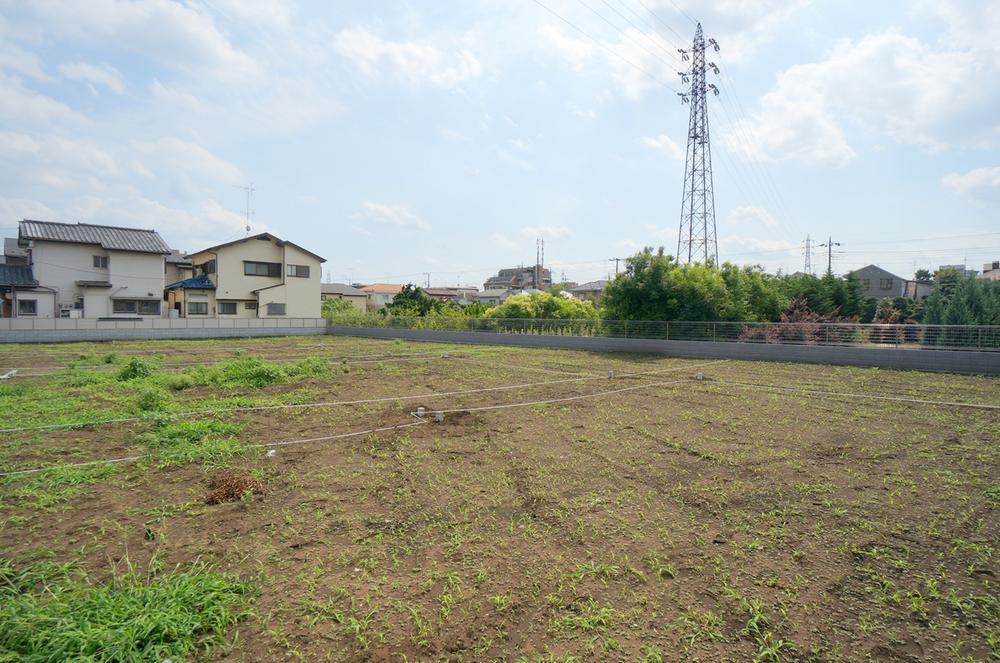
(543, 305)
(334, 307)
(412, 301)
(923, 275)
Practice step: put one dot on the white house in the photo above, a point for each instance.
(89, 271)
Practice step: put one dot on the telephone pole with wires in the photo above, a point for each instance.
(697, 241)
(829, 253)
(617, 260)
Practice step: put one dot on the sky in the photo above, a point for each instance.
(401, 139)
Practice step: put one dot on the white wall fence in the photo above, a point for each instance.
(49, 330)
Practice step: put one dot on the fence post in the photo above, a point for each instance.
(666, 331)
(713, 332)
(626, 329)
(827, 336)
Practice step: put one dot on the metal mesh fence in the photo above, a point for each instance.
(964, 337)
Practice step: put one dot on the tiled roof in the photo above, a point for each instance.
(383, 288)
(494, 292)
(340, 289)
(590, 286)
(264, 236)
(17, 275)
(195, 283)
(111, 238)
(177, 258)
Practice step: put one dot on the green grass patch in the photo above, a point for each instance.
(255, 372)
(60, 615)
(189, 441)
(137, 367)
(52, 486)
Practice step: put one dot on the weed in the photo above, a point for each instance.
(135, 368)
(130, 618)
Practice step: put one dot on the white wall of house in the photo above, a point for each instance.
(59, 265)
(44, 305)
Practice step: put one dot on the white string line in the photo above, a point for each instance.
(526, 368)
(127, 459)
(364, 401)
(558, 400)
(817, 393)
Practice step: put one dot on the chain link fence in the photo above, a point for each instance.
(950, 337)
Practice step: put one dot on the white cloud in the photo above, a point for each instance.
(414, 62)
(546, 231)
(746, 215)
(505, 155)
(174, 34)
(585, 113)
(663, 144)
(496, 239)
(17, 60)
(20, 106)
(15, 209)
(183, 157)
(174, 97)
(61, 159)
(888, 84)
(979, 181)
(399, 216)
(104, 74)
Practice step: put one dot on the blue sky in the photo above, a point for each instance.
(400, 138)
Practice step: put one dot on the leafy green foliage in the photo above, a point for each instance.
(136, 367)
(333, 307)
(254, 372)
(53, 615)
(543, 305)
(188, 441)
(412, 301)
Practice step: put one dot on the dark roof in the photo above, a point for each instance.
(590, 286)
(11, 248)
(274, 238)
(17, 275)
(177, 258)
(340, 289)
(112, 238)
(196, 283)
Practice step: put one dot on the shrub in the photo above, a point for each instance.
(153, 400)
(178, 382)
(136, 368)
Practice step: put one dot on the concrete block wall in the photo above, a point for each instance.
(949, 361)
(61, 330)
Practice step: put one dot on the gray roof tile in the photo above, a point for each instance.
(112, 238)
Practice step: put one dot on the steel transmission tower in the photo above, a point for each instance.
(696, 241)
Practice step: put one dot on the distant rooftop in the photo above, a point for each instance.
(590, 286)
(195, 283)
(17, 275)
(340, 289)
(383, 288)
(111, 238)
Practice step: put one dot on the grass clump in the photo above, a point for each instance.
(178, 382)
(176, 442)
(136, 367)
(255, 372)
(154, 400)
(61, 616)
(57, 484)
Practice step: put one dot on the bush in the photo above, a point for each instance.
(153, 400)
(178, 382)
(136, 368)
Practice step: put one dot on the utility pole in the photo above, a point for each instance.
(696, 241)
(808, 253)
(617, 260)
(428, 275)
(829, 253)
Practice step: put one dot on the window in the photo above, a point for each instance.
(261, 268)
(885, 284)
(101, 262)
(197, 308)
(136, 306)
(124, 306)
(27, 307)
(227, 308)
(275, 309)
(250, 306)
(867, 283)
(207, 267)
(302, 271)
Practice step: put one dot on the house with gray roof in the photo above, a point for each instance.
(592, 291)
(357, 298)
(89, 271)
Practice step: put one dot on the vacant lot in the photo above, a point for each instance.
(643, 515)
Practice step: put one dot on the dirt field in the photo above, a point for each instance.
(672, 519)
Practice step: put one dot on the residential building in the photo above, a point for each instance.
(380, 295)
(12, 253)
(591, 291)
(918, 289)
(459, 295)
(90, 271)
(15, 279)
(177, 266)
(880, 283)
(520, 278)
(357, 298)
(991, 271)
(962, 269)
(492, 296)
(262, 276)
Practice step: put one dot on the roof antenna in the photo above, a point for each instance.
(249, 191)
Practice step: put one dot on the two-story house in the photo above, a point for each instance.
(262, 276)
(90, 271)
